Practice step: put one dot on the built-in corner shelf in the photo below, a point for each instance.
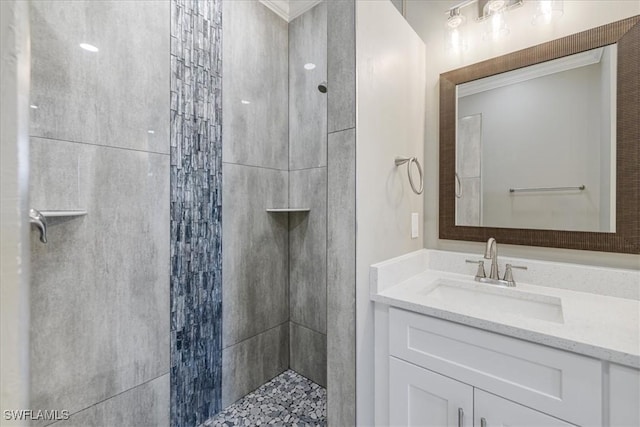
(61, 214)
(287, 210)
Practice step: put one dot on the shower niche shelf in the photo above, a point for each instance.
(287, 210)
(62, 214)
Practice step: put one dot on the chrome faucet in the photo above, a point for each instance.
(491, 252)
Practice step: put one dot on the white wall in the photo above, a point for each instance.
(14, 167)
(390, 61)
(543, 132)
(428, 18)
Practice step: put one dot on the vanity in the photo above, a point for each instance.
(555, 344)
(451, 351)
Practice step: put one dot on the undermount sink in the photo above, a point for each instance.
(493, 299)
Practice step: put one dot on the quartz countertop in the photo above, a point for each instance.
(600, 326)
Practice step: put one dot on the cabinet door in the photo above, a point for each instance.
(624, 396)
(493, 411)
(418, 397)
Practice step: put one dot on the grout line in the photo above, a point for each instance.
(253, 336)
(306, 327)
(114, 396)
(307, 169)
(255, 166)
(99, 145)
(341, 130)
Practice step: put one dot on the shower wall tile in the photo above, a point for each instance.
(252, 362)
(308, 353)
(341, 43)
(255, 279)
(144, 405)
(468, 206)
(255, 101)
(307, 105)
(100, 286)
(341, 276)
(196, 209)
(114, 97)
(469, 146)
(308, 249)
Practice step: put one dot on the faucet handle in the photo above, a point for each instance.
(480, 273)
(508, 273)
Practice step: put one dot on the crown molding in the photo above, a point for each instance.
(289, 9)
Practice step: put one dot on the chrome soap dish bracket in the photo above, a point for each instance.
(39, 218)
(412, 160)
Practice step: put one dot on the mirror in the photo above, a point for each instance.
(540, 147)
(535, 146)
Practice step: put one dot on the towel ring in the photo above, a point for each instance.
(458, 193)
(410, 160)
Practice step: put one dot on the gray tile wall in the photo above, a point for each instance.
(341, 64)
(341, 276)
(308, 188)
(255, 156)
(255, 267)
(100, 287)
(341, 227)
(252, 362)
(196, 209)
(142, 406)
(256, 92)
(308, 353)
(307, 105)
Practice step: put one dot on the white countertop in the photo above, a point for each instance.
(600, 326)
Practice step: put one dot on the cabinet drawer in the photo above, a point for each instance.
(556, 382)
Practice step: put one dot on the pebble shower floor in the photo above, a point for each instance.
(287, 400)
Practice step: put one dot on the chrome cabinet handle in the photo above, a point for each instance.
(35, 217)
(460, 417)
(483, 422)
(458, 193)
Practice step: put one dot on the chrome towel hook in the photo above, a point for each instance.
(458, 192)
(39, 220)
(410, 160)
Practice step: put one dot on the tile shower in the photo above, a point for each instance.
(205, 296)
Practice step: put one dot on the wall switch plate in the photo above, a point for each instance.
(414, 226)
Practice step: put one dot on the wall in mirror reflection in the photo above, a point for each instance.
(537, 131)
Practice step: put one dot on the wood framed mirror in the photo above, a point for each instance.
(616, 215)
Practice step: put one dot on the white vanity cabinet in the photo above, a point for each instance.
(505, 376)
(419, 397)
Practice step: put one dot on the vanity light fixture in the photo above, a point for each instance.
(455, 41)
(493, 14)
(547, 11)
(455, 19)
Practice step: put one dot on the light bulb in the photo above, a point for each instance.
(547, 10)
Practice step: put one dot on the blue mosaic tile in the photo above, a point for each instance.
(196, 210)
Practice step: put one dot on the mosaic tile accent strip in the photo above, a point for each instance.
(196, 211)
(287, 400)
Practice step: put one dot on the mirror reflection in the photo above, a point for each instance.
(535, 147)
